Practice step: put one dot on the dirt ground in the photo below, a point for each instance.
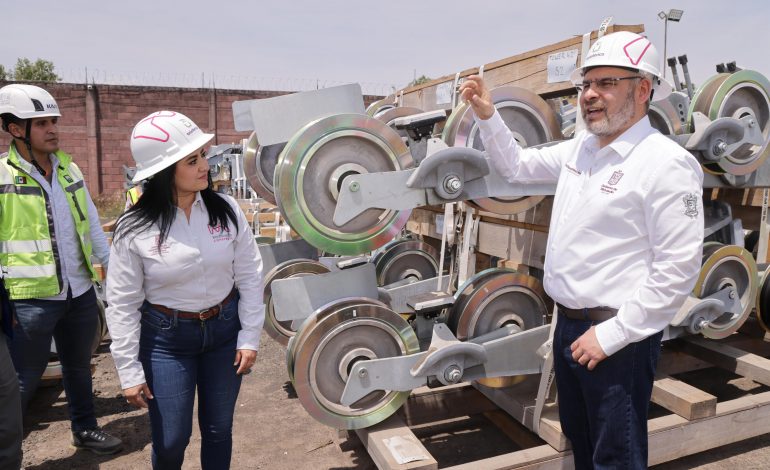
(273, 431)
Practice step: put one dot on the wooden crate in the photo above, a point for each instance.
(527, 70)
(690, 420)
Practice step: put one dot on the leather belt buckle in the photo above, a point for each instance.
(204, 315)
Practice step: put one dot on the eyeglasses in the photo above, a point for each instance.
(602, 85)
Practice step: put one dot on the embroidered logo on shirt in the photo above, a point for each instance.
(68, 179)
(572, 169)
(609, 187)
(21, 180)
(690, 205)
(162, 250)
(615, 178)
(219, 233)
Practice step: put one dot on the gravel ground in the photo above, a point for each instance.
(273, 431)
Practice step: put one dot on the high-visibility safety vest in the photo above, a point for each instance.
(29, 255)
(132, 195)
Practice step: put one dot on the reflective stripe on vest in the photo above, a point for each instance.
(25, 246)
(30, 272)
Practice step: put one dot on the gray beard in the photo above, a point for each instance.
(612, 124)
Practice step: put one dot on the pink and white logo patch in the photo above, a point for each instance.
(636, 49)
(149, 129)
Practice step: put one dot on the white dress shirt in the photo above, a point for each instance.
(626, 227)
(195, 268)
(74, 272)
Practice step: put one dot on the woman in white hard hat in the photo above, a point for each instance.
(184, 290)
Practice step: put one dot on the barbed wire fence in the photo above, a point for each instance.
(219, 80)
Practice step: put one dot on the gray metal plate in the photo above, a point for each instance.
(297, 298)
(276, 120)
(277, 253)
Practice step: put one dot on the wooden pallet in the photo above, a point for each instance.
(692, 420)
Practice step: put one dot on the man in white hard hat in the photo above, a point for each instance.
(624, 246)
(49, 229)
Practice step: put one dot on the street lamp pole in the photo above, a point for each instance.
(665, 45)
(671, 15)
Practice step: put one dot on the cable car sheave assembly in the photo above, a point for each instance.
(381, 312)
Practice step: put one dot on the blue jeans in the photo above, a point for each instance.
(179, 356)
(72, 323)
(603, 412)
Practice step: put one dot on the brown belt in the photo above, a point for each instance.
(201, 315)
(598, 314)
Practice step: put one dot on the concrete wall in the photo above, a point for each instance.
(97, 120)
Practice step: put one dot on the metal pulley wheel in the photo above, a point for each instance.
(665, 115)
(405, 259)
(281, 331)
(380, 106)
(314, 318)
(727, 265)
(745, 93)
(328, 346)
(528, 116)
(311, 170)
(493, 299)
(763, 297)
(259, 165)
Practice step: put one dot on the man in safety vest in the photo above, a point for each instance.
(49, 228)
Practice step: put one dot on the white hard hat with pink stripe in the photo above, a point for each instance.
(162, 139)
(627, 50)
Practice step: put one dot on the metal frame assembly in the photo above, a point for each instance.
(395, 278)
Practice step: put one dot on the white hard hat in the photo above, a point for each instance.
(627, 50)
(162, 139)
(27, 101)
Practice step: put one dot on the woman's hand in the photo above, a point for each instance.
(244, 359)
(138, 395)
(474, 92)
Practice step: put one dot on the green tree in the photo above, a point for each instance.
(419, 80)
(39, 70)
(3, 73)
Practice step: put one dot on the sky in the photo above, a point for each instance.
(302, 44)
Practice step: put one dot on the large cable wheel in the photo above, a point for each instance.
(405, 259)
(259, 165)
(310, 172)
(328, 346)
(763, 298)
(532, 122)
(380, 106)
(281, 331)
(722, 266)
(743, 93)
(314, 318)
(665, 117)
(494, 299)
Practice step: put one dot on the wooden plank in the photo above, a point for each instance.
(424, 405)
(676, 362)
(516, 432)
(373, 438)
(672, 437)
(727, 357)
(683, 399)
(519, 402)
(542, 457)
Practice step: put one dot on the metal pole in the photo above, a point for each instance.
(665, 42)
